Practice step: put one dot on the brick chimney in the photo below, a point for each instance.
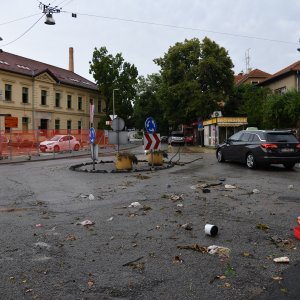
(71, 59)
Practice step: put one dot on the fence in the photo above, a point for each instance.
(17, 143)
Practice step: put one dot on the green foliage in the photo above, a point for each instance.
(112, 72)
(282, 111)
(147, 103)
(196, 77)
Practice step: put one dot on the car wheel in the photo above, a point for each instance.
(289, 165)
(250, 161)
(220, 156)
(56, 148)
(76, 147)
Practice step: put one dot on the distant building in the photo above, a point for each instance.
(253, 77)
(44, 96)
(284, 80)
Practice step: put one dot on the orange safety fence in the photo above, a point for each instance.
(18, 142)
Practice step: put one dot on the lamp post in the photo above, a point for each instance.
(114, 102)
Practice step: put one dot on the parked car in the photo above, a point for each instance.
(261, 147)
(163, 139)
(188, 140)
(60, 143)
(176, 138)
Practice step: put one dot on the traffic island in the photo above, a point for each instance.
(105, 167)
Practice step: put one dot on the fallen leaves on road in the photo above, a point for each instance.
(279, 242)
(135, 264)
(194, 247)
(177, 259)
(86, 223)
(262, 226)
(220, 277)
(71, 237)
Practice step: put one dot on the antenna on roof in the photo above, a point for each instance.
(299, 48)
(247, 59)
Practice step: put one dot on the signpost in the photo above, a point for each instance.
(11, 122)
(92, 136)
(152, 141)
(150, 125)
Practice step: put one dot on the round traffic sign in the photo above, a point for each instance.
(117, 124)
(150, 125)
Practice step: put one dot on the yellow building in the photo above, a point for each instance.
(43, 96)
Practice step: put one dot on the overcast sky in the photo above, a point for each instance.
(227, 22)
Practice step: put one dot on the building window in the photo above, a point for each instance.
(25, 94)
(69, 124)
(57, 99)
(69, 102)
(79, 125)
(25, 121)
(57, 124)
(8, 89)
(43, 97)
(254, 82)
(99, 105)
(281, 90)
(79, 103)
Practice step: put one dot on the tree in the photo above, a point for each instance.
(112, 72)
(196, 77)
(147, 103)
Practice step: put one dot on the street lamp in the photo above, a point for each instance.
(114, 102)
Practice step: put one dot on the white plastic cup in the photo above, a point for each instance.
(211, 230)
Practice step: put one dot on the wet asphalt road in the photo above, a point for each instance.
(132, 253)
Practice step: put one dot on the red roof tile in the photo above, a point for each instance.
(28, 67)
(256, 73)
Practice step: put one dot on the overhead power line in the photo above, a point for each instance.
(185, 28)
(16, 20)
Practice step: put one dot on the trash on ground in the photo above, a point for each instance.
(175, 198)
(194, 247)
(221, 251)
(86, 223)
(91, 197)
(283, 259)
(220, 277)
(90, 284)
(277, 278)
(39, 225)
(110, 219)
(211, 230)
(83, 196)
(279, 242)
(297, 232)
(247, 254)
(71, 237)
(206, 191)
(229, 186)
(42, 245)
(178, 259)
(290, 187)
(262, 226)
(135, 204)
(180, 205)
(255, 191)
(135, 264)
(187, 226)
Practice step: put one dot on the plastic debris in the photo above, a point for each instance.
(283, 259)
(175, 198)
(180, 205)
(91, 197)
(110, 219)
(221, 251)
(187, 226)
(135, 204)
(255, 191)
(291, 186)
(42, 245)
(262, 226)
(86, 223)
(39, 225)
(229, 186)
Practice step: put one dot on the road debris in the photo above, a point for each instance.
(211, 230)
(218, 277)
(194, 247)
(221, 251)
(283, 259)
(71, 237)
(277, 278)
(135, 264)
(86, 223)
(256, 191)
(229, 186)
(187, 226)
(91, 197)
(179, 205)
(205, 191)
(110, 219)
(135, 204)
(291, 186)
(279, 242)
(42, 245)
(39, 225)
(177, 259)
(262, 226)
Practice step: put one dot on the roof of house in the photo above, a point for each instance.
(291, 68)
(21, 65)
(256, 73)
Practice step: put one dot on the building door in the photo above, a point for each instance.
(44, 124)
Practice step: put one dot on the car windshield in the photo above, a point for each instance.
(56, 138)
(177, 134)
(281, 137)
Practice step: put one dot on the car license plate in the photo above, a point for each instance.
(287, 150)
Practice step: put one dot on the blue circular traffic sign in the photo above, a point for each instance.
(92, 135)
(150, 125)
